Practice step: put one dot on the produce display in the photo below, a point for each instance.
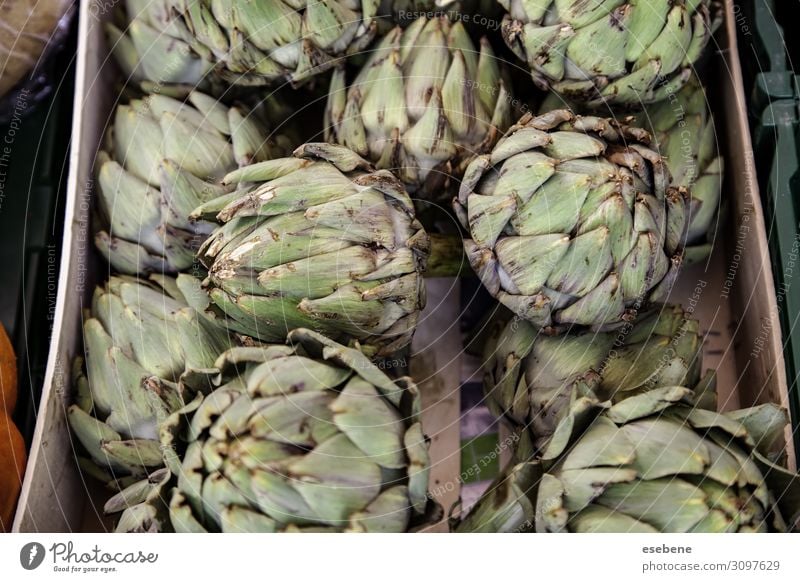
(244, 352)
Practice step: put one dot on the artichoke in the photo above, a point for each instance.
(319, 240)
(684, 134)
(306, 437)
(529, 376)
(650, 463)
(612, 51)
(424, 103)
(163, 158)
(244, 43)
(139, 337)
(154, 48)
(572, 221)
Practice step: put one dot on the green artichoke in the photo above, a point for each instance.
(650, 463)
(529, 376)
(306, 437)
(139, 337)
(319, 240)
(153, 47)
(684, 134)
(573, 222)
(244, 43)
(163, 158)
(425, 102)
(611, 51)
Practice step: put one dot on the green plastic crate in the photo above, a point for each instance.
(765, 59)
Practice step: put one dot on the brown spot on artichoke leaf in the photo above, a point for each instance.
(469, 105)
(328, 316)
(441, 126)
(617, 16)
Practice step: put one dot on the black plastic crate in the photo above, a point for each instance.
(31, 224)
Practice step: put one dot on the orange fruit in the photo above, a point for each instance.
(8, 374)
(12, 469)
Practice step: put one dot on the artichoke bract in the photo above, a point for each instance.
(306, 437)
(425, 102)
(529, 376)
(507, 506)
(140, 336)
(684, 134)
(572, 221)
(163, 158)
(319, 240)
(650, 463)
(244, 43)
(613, 52)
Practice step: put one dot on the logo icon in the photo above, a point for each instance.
(31, 555)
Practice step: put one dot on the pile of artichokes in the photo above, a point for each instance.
(231, 380)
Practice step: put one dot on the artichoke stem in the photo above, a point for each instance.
(447, 257)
